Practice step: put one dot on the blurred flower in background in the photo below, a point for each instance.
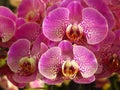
(37, 84)
(6, 84)
(15, 3)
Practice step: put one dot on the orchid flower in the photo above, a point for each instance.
(67, 62)
(7, 24)
(32, 10)
(23, 61)
(109, 55)
(75, 23)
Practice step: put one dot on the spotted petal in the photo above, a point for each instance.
(86, 60)
(58, 80)
(49, 63)
(7, 28)
(18, 50)
(104, 9)
(55, 23)
(94, 25)
(84, 80)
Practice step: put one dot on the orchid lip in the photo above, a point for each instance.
(74, 32)
(27, 66)
(69, 69)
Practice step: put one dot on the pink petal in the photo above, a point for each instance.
(84, 80)
(10, 78)
(54, 81)
(19, 22)
(116, 43)
(49, 63)
(50, 8)
(7, 28)
(4, 11)
(39, 10)
(37, 84)
(109, 39)
(24, 79)
(25, 8)
(67, 49)
(103, 8)
(39, 46)
(38, 49)
(39, 6)
(114, 2)
(105, 73)
(19, 49)
(28, 31)
(94, 25)
(117, 38)
(75, 9)
(86, 60)
(54, 24)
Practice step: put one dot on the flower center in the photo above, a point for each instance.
(74, 32)
(70, 69)
(30, 15)
(114, 63)
(27, 66)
